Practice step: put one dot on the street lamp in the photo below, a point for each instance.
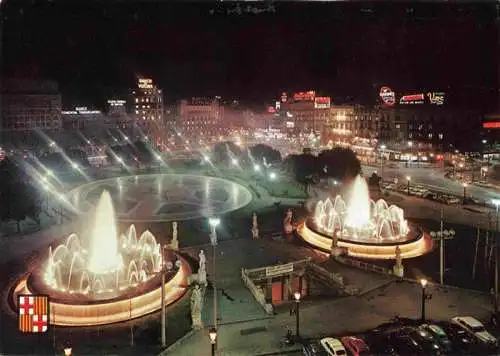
(496, 202)
(425, 296)
(408, 178)
(442, 235)
(214, 222)
(67, 349)
(465, 191)
(297, 296)
(256, 168)
(272, 176)
(213, 339)
(382, 149)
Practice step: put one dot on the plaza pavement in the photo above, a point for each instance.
(244, 329)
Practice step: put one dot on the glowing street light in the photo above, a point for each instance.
(68, 350)
(296, 295)
(213, 339)
(234, 161)
(425, 296)
(256, 168)
(272, 176)
(206, 158)
(214, 222)
(74, 165)
(496, 202)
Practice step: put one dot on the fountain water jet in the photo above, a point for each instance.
(102, 267)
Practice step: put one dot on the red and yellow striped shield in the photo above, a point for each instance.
(33, 312)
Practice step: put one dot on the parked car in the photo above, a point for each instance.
(461, 339)
(475, 327)
(439, 335)
(355, 346)
(333, 346)
(426, 341)
(405, 345)
(313, 348)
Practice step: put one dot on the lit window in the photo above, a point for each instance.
(137, 112)
(136, 100)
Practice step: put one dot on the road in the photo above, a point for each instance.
(434, 178)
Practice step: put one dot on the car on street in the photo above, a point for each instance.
(462, 341)
(439, 335)
(426, 341)
(313, 348)
(404, 345)
(475, 327)
(333, 346)
(355, 346)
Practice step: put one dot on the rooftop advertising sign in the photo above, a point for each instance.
(322, 102)
(304, 96)
(436, 98)
(145, 83)
(116, 102)
(491, 125)
(412, 99)
(388, 96)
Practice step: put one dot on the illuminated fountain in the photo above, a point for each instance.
(366, 228)
(105, 278)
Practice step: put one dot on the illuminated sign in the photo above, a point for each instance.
(322, 102)
(283, 97)
(436, 98)
(290, 125)
(304, 96)
(388, 96)
(412, 99)
(491, 125)
(145, 83)
(81, 110)
(116, 102)
(278, 105)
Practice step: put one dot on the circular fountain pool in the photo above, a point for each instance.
(366, 228)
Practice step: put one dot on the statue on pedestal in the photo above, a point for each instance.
(202, 259)
(196, 306)
(255, 227)
(202, 275)
(174, 243)
(398, 268)
(287, 223)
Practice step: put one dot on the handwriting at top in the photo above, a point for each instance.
(248, 9)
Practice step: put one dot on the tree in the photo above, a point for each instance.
(339, 163)
(224, 152)
(304, 167)
(18, 194)
(374, 181)
(260, 152)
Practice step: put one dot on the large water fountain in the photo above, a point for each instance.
(366, 228)
(361, 219)
(104, 277)
(109, 264)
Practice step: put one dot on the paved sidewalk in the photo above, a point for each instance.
(339, 317)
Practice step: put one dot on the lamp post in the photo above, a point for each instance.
(442, 235)
(213, 339)
(297, 313)
(408, 178)
(382, 149)
(465, 191)
(163, 306)
(484, 175)
(214, 222)
(67, 349)
(496, 202)
(425, 296)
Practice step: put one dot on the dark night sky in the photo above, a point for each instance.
(97, 49)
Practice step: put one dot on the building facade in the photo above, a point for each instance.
(148, 106)
(29, 105)
(200, 118)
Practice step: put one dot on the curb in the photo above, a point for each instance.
(178, 343)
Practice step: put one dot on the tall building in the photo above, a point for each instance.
(200, 118)
(148, 111)
(29, 105)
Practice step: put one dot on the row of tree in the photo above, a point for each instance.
(133, 153)
(338, 163)
(225, 152)
(18, 194)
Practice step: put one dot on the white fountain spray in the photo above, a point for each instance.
(358, 209)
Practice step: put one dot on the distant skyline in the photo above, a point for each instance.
(96, 50)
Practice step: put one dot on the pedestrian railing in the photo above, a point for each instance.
(363, 265)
